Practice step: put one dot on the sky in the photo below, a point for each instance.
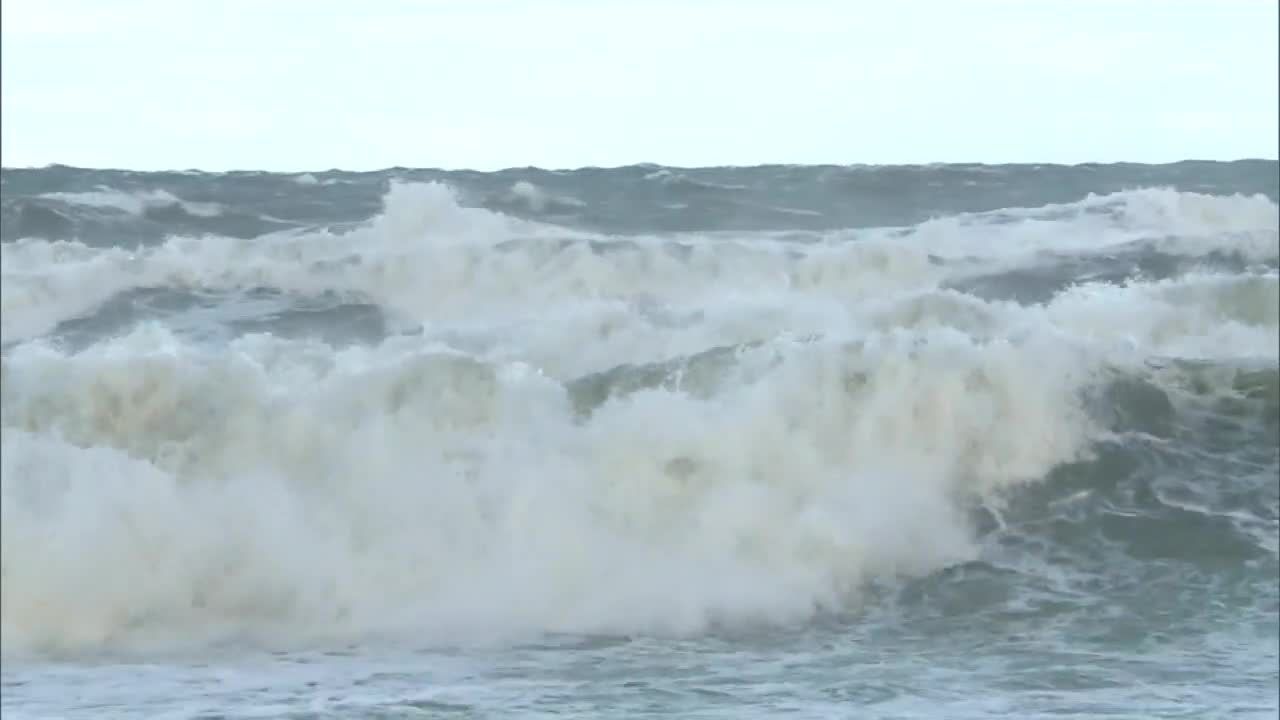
(294, 85)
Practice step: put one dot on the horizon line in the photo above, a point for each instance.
(511, 168)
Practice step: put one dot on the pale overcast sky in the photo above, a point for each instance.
(314, 84)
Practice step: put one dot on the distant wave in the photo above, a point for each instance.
(135, 203)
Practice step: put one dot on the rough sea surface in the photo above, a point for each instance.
(956, 441)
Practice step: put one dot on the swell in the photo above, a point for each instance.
(637, 199)
(427, 258)
(130, 222)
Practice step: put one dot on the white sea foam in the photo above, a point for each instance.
(157, 492)
(1197, 316)
(461, 485)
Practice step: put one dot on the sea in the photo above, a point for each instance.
(945, 441)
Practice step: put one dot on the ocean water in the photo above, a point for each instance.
(955, 441)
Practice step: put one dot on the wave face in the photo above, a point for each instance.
(465, 407)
